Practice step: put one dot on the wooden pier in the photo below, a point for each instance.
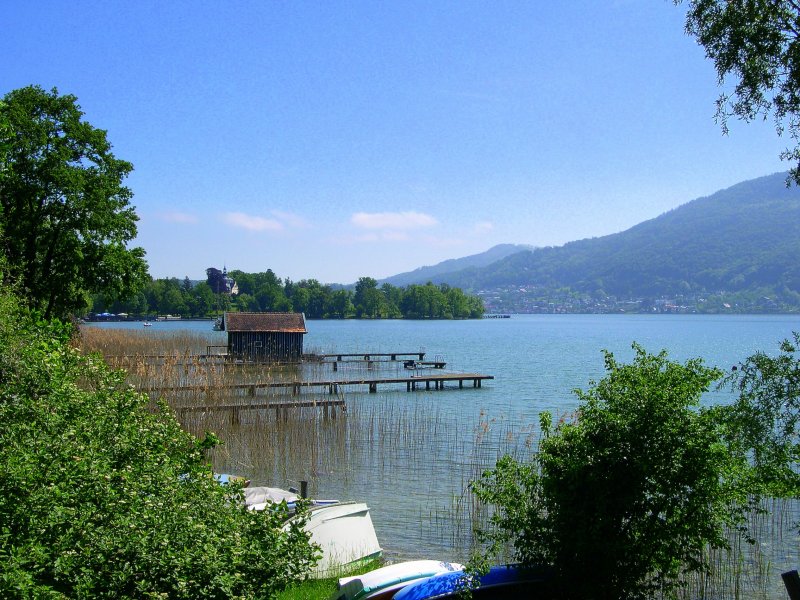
(412, 383)
(364, 356)
(281, 408)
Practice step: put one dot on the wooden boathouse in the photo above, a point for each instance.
(265, 337)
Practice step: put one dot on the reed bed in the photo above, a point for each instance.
(409, 456)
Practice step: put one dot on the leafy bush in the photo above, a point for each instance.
(622, 499)
(101, 497)
(763, 423)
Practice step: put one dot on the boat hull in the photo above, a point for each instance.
(346, 536)
(384, 582)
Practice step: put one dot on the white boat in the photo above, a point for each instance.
(345, 534)
(261, 497)
(382, 583)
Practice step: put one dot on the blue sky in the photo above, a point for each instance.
(332, 140)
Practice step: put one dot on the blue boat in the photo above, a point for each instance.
(504, 581)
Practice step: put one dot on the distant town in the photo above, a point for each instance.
(536, 300)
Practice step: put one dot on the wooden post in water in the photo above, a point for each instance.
(792, 582)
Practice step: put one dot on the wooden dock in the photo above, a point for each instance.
(412, 383)
(365, 356)
(281, 408)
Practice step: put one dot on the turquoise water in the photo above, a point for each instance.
(415, 481)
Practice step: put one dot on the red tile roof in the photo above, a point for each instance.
(276, 322)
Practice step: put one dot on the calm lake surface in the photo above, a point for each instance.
(413, 476)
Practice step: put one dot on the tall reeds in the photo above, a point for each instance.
(410, 456)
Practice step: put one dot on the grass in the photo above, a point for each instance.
(391, 441)
(320, 589)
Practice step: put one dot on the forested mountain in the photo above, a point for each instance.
(422, 275)
(743, 238)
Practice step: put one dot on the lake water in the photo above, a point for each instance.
(414, 476)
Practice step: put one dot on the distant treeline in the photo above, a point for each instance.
(259, 292)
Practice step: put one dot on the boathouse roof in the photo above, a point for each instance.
(272, 322)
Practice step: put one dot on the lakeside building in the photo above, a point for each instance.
(265, 337)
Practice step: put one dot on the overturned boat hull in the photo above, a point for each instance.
(345, 534)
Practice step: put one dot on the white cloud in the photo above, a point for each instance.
(291, 219)
(252, 223)
(483, 226)
(178, 217)
(395, 221)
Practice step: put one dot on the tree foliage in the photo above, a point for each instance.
(65, 215)
(102, 498)
(264, 292)
(764, 421)
(623, 498)
(755, 42)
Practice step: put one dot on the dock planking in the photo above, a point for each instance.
(412, 383)
(235, 410)
(364, 356)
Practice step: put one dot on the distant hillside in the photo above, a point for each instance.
(743, 238)
(424, 274)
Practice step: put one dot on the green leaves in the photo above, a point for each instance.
(756, 44)
(102, 497)
(65, 215)
(629, 492)
(763, 424)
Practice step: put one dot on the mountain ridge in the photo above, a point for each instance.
(422, 275)
(745, 237)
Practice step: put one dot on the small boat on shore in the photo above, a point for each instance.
(343, 530)
(261, 497)
(502, 581)
(381, 584)
(345, 534)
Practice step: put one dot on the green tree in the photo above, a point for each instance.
(216, 280)
(763, 423)
(756, 43)
(630, 492)
(202, 300)
(103, 497)
(65, 215)
(246, 303)
(340, 305)
(368, 300)
(393, 298)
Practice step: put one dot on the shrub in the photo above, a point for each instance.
(763, 424)
(103, 497)
(623, 498)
